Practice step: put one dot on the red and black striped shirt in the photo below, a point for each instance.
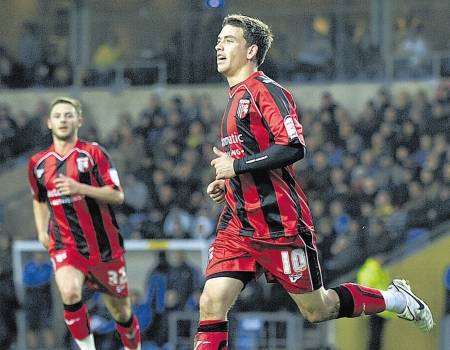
(78, 222)
(263, 204)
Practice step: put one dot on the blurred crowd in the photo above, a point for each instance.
(166, 154)
(41, 61)
(377, 179)
(330, 47)
(22, 131)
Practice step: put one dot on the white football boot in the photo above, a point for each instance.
(416, 309)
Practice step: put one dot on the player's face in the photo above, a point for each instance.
(231, 50)
(64, 121)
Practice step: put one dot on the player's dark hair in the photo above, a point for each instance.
(68, 100)
(256, 33)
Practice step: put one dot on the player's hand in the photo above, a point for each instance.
(216, 191)
(67, 186)
(223, 164)
(44, 238)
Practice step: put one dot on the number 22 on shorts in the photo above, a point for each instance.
(116, 278)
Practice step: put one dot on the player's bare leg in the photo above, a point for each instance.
(353, 300)
(70, 283)
(319, 305)
(127, 324)
(218, 295)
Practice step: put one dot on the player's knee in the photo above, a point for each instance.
(211, 308)
(70, 294)
(123, 314)
(316, 315)
(313, 316)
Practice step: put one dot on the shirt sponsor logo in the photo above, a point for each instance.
(232, 140)
(236, 153)
(53, 193)
(65, 200)
(243, 108)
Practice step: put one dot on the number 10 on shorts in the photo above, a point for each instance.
(294, 261)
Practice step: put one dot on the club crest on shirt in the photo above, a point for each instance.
(243, 108)
(82, 164)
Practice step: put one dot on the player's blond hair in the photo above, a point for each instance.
(256, 32)
(68, 100)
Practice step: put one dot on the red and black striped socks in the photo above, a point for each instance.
(76, 319)
(129, 333)
(356, 300)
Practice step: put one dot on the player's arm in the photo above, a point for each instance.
(216, 191)
(276, 156)
(107, 194)
(40, 209)
(279, 113)
(41, 219)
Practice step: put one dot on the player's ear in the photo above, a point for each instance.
(80, 120)
(251, 52)
(49, 124)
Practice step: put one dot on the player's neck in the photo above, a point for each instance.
(241, 75)
(62, 147)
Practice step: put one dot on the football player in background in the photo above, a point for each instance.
(74, 186)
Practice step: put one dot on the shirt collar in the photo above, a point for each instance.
(236, 87)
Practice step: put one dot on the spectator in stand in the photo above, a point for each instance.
(315, 59)
(30, 50)
(7, 69)
(182, 279)
(8, 133)
(129, 147)
(413, 51)
(374, 275)
(38, 301)
(155, 288)
(106, 58)
(177, 223)
(202, 224)
(8, 300)
(136, 195)
(347, 251)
